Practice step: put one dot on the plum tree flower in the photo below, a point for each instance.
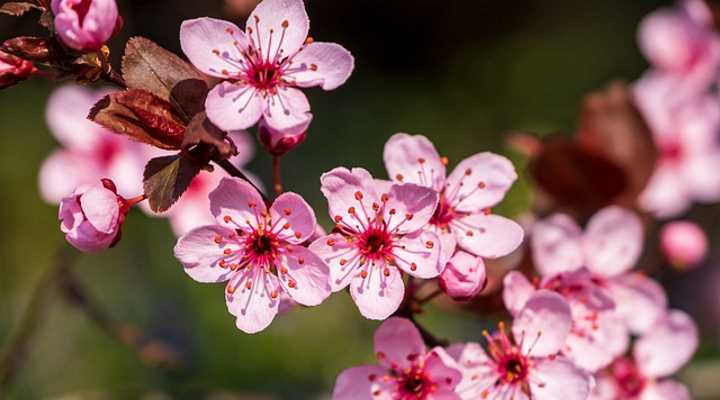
(279, 143)
(85, 25)
(90, 152)
(658, 354)
(257, 251)
(263, 67)
(609, 248)
(378, 234)
(464, 277)
(527, 367)
(684, 243)
(406, 370)
(13, 69)
(92, 216)
(597, 336)
(463, 217)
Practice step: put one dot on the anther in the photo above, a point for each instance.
(216, 52)
(292, 284)
(386, 271)
(338, 219)
(331, 242)
(343, 261)
(385, 197)
(358, 195)
(227, 218)
(429, 244)
(218, 239)
(285, 24)
(230, 289)
(313, 67)
(409, 216)
(252, 204)
(298, 235)
(227, 252)
(248, 285)
(421, 160)
(444, 160)
(468, 172)
(286, 226)
(351, 210)
(287, 211)
(399, 177)
(222, 264)
(363, 274)
(301, 261)
(413, 266)
(481, 185)
(309, 40)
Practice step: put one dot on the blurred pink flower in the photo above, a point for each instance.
(89, 152)
(85, 25)
(684, 243)
(406, 370)
(14, 69)
(464, 276)
(658, 354)
(379, 233)
(264, 66)
(92, 216)
(528, 367)
(463, 218)
(257, 251)
(609, 248)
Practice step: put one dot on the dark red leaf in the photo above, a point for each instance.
(167, 178)
(17, 8)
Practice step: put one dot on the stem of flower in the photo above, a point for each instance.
(234, 171)
(276, 175)
(137, 199)
(114, 78)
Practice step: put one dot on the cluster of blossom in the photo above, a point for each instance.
(587, 327)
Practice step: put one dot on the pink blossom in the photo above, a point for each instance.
(257, 251)
(684, 243)
(406, 370)
(379, 233)
(92, 216)
(658, 354)
(89, 151)
(528, 367)
(609, 248)
(463, 277)
(463, 218)
(13, 69)
(85, 25)
(279, 143)
(264, 66)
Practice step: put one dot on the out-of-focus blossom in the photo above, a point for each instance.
(279, 143)
(264, 66)
(407, 369)
(528, 367)
(684, 243)
(379, 233)
(85, 25)
(463, 277)
(92, 216)
(240, 8)
(13, 69)
(257, 251)
(463, 217)
(658, 354)
(609, 248)
(89, 151)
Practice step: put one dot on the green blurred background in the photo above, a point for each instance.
(464, 73)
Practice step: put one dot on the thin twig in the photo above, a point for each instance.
(277, 178)
(234, 171)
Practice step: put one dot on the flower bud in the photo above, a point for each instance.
(684, 243)
(464, 276)
(13, 69)
(92, 216)
(85, 25)
(279, 143)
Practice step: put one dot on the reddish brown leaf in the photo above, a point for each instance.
(30, 48)
(167, 178)
(201, 130)
(17, 8)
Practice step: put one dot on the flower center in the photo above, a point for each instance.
(375, 243)
(264, 76)
(414, 384)
(263, 244)
(513, 368)
(671, 151)
(81, 8)
(629, 381)
(444, 213)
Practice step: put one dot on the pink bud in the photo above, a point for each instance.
(684, 243)
(85, 25)
(279, 143)
(13, 69)
(92, 216)
(464, 276)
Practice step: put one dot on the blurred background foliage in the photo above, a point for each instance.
(464, 73)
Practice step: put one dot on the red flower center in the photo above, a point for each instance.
(444, 213)
(375, 243)
(414, 384)
(264, 76)
(629, 381)
(513, 367)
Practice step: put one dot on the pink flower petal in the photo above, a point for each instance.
(485, 178)
(198, 252)
(327, 65)
(665, 194)
(613, 241)
(307, 277)
(488, 236)
(594, 344)
(448, 244)
(62, 172)
(542, 326)
(238, 200)
(252, 302)
(278, 28)
(290, 208)
(341, 256)
(398, 342)
(349, 189)
(87, 32)
(378, 296)
(665, 390)
(517, 289)
(413, 159)
(234, 106)
(409, 207)
(702, 184)
(444, 372)
(667, 346)
(213, 45)
(363, 383)
(670, 40)
(464, 276)
(66, 123)
(418, 254)
(101, 208)
(553, 379)
(639, 300)
(288, 110)
(556, 245)
(479, 373)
